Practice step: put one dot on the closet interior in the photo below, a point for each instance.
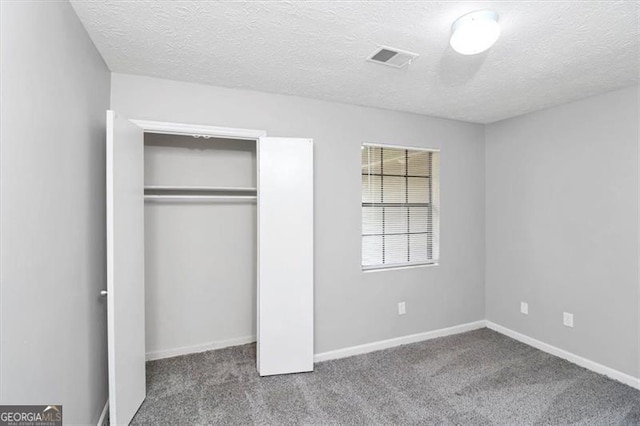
(200, 243)
(209, 244)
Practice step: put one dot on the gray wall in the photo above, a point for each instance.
(562, 226)
(55, 90)
(352, 307)
(200, 257)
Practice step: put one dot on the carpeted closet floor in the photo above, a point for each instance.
(475, 378)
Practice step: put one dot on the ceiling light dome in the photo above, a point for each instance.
(475, 32)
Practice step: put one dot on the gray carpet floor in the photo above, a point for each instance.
(475, 378)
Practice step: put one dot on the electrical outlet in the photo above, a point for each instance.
(567, 319)
(402, 308)
(524, 308)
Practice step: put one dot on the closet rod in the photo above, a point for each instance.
(215, 198)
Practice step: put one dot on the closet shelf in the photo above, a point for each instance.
(211, 189)
(206, 198)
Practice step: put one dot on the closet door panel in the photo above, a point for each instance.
(125, 268)
(285, 255)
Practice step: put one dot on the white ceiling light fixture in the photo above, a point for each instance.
(475, 32)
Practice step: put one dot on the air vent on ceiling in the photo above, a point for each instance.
(392, 57)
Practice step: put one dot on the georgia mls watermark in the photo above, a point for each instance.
(30, 415)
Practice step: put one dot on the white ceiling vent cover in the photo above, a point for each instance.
(392, 57)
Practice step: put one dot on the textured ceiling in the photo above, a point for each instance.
(549, 52)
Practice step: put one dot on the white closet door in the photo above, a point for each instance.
(125, 268)
(285, 255)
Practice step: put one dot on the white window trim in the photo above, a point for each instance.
(367, 269)
(414, 148)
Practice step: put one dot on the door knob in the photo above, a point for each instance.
(103, 293)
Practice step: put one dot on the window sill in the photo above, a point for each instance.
(395, 268)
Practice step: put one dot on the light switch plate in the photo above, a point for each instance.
(402, 308)
(524, 308)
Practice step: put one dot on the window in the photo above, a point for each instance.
(400, 209)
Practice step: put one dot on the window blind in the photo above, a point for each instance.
(399, 207)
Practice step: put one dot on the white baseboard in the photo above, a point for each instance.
(103, 415)
(169, 353)
(627, 379)
(412, 338)
(398, 341)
